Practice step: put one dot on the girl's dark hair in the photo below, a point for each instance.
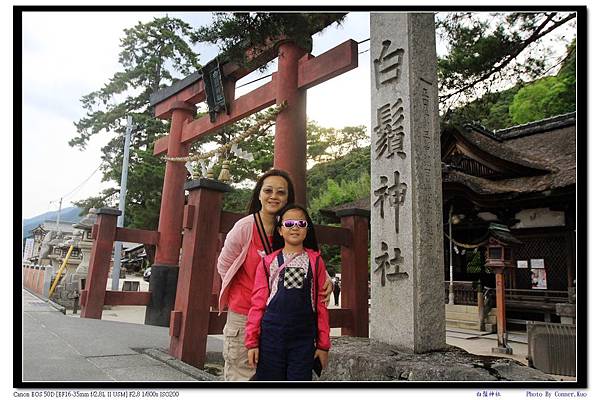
(310, 241)
(254, 206)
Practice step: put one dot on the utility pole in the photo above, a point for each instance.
(58, 217)
(116, 272)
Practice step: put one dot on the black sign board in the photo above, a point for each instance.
(212, 75)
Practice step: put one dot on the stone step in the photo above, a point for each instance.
(454, 323)
(469, 317)
(466, 309)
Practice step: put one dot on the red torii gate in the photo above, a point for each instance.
(180, 295)
(297, 71)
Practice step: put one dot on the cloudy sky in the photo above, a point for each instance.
(67, 55)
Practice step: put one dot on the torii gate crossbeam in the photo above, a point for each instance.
(311, 72)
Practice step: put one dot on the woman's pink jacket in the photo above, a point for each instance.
(260, 294)
(233, 255)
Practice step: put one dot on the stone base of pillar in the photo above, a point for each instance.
(364, 359)
(163, 285)
(502, 350)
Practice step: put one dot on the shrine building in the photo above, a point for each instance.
(523, 177)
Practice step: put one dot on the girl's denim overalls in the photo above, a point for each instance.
(288, 332)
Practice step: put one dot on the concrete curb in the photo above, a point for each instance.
(179, 365)
(57, 306)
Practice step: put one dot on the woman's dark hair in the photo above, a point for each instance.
(310, 241)
(254, 206)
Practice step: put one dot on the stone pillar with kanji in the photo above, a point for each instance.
(407, 268)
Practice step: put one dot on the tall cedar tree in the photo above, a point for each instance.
(241, 34)
(150, 54)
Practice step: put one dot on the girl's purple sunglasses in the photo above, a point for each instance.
(290, 223)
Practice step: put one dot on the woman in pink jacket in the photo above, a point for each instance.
(288, 327)
(249, 240)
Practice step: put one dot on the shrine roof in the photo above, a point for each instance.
(548, 124)
(49, 225)
(550, 145)
(547, 146)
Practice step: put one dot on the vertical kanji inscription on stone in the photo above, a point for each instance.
(384, 260)
(407, 282)
(388, 66)
(390, 130)
(393, 194)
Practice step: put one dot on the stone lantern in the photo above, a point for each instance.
(498, 257)
(38, 237)
(83, 232)
(55, 253)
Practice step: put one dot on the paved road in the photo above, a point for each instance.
(57, 347)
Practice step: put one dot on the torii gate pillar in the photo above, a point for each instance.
(290, 129)
(163, 279)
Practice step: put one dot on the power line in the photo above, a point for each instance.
(362, 41)
(256, 80)
(268, 76)
(79, 186)
(83, 183)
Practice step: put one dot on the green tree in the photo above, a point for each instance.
(350, 167)
(237, 200)
(549, 96)
(540, 100)
(524, 102)
(326, 144)
(488, 52)
(336, 194)
(491, 110)
(150, 54)
(240, 35)
(568, 69)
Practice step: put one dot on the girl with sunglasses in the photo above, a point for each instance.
(249, 239)
(288, 325)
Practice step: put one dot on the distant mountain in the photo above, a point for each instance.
(70, 214)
